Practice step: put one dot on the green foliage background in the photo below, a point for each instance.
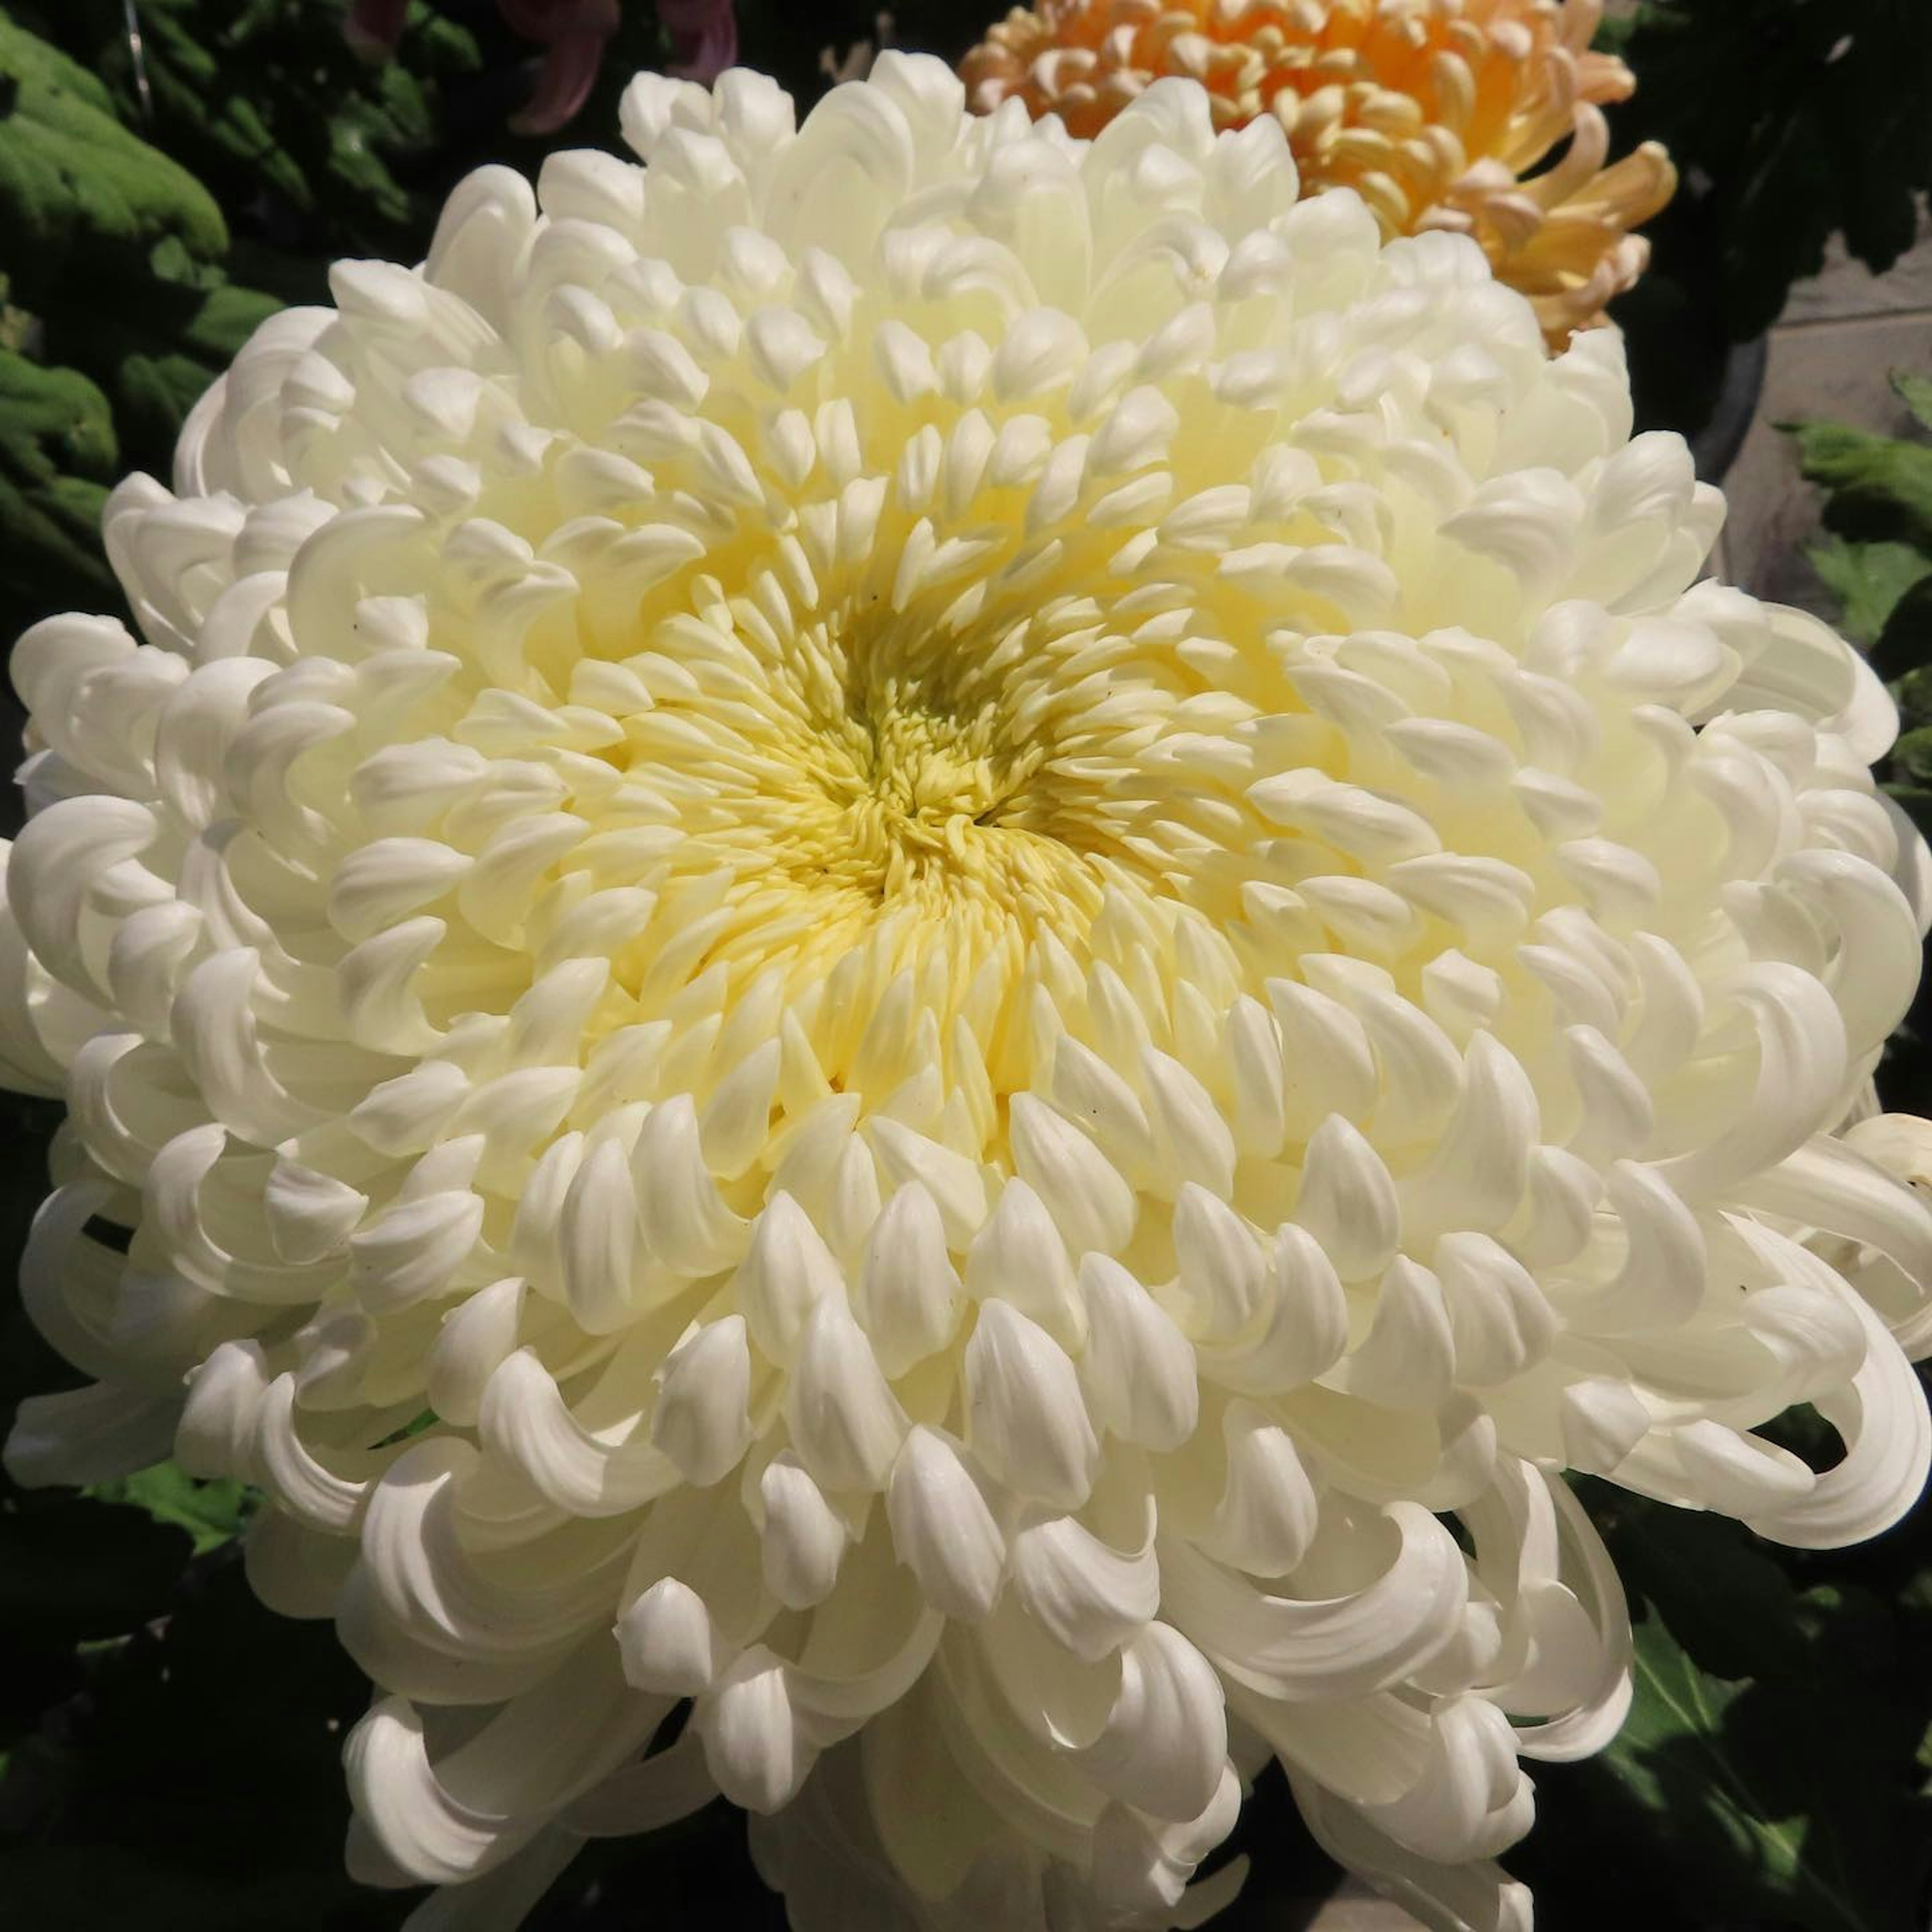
(170, 1751)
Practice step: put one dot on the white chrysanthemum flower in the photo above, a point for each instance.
(906, 927)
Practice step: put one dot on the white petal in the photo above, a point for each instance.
(942, 1528)
(668, 1642)
(1138, 1372)
(1018, 1257)
(1290, 1648)
(702, 1420)
(754, 1743)
(1347, 1202)
(840, 1411)
(1268, 1511)
(1090, 1597)
(908, 1296)
(1166, 1740)
(1090, 1205)
(805, 1537)
(786, 1273)
(1025, 1419)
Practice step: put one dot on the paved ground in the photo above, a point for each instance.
(1839, 337)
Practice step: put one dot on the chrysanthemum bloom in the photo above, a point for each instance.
(1435, 112)
(908, 927)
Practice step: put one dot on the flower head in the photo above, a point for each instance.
(1435, 112)
(904, 925)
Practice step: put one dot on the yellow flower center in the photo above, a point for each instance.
(859, 781)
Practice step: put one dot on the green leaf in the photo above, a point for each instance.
(212, 1513)
(1878, 559)
(154, 361)
(1868, 579)
(57, 453)
(425, 1419)
(1915, 393)
(53, 421)
(1912, 755)
(268, 105)
(1674, 1700)
(1781, 1788)
(1879, 487)
(1913, 695)
(1766, 1774)
(81, 198)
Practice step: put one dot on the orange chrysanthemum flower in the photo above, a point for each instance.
(1434, 111)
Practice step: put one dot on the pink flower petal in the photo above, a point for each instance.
(374, 26)
(552, 20)
(704, 38)
(569, 71)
